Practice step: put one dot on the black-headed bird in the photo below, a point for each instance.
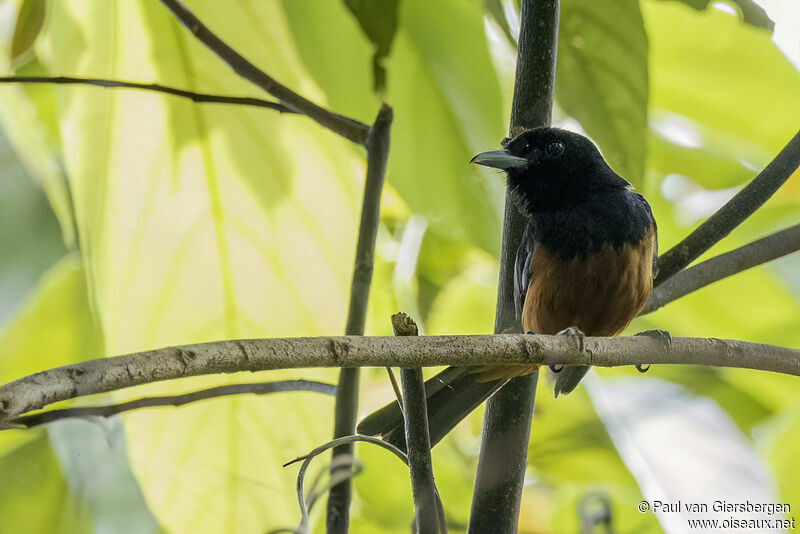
(585, 265)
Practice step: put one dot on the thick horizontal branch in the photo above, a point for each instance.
(257, 388)
(733, 213)
(106, 374)
(201, 98)
(346, 127)
(767, 249)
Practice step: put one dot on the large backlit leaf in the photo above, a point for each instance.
(205, 222)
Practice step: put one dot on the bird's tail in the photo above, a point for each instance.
(452, 395)
(569, 377)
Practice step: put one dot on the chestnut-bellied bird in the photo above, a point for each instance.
(585, 265)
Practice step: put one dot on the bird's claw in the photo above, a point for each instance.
(660, 335)
(577, 334)
(572, 332)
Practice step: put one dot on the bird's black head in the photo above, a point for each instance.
(549, 168)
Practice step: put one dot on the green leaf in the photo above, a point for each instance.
(60, 308)
(446, 98)
(330, 43)
(378, 19)
(448, 106)
(727, 78)
(29, 24)
(751, 12)
(601, 78)
(53, 327)
(34, 498)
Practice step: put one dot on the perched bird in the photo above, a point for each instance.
(585, 265)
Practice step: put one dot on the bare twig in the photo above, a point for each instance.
(346, 127)
(346, 411)
(738, 260)
(733, 213)
(506, 427)
(418, 442)
(107, 374)
(201, 98)
(257, 388)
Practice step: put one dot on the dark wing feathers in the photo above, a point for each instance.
(522, 274)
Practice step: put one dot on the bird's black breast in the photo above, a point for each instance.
(611, 218)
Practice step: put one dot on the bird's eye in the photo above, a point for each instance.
(526, 147)
(555, 149)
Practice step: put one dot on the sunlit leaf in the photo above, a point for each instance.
(200, 223)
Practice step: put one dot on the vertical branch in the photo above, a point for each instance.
(506, 428)
(418, 443)
(346, 411)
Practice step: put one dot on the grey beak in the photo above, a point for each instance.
(500, 159)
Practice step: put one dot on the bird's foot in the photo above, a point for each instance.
(575, 333)
(660, 335)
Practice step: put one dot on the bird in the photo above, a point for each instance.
(585, 266)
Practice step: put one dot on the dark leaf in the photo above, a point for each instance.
(378, 19)
(29, 24)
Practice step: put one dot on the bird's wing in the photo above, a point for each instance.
(522, 273)
(649, 211)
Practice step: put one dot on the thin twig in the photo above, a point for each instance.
(733, 213)
(202, 98)
(257, 388)
(302, 528)
(418, 442)
(396, 387)
(346, 127)
(506, 428)
(689, 280)
(346, 410)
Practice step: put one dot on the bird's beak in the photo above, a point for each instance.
(500, 159)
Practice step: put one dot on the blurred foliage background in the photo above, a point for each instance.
(132, 221)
